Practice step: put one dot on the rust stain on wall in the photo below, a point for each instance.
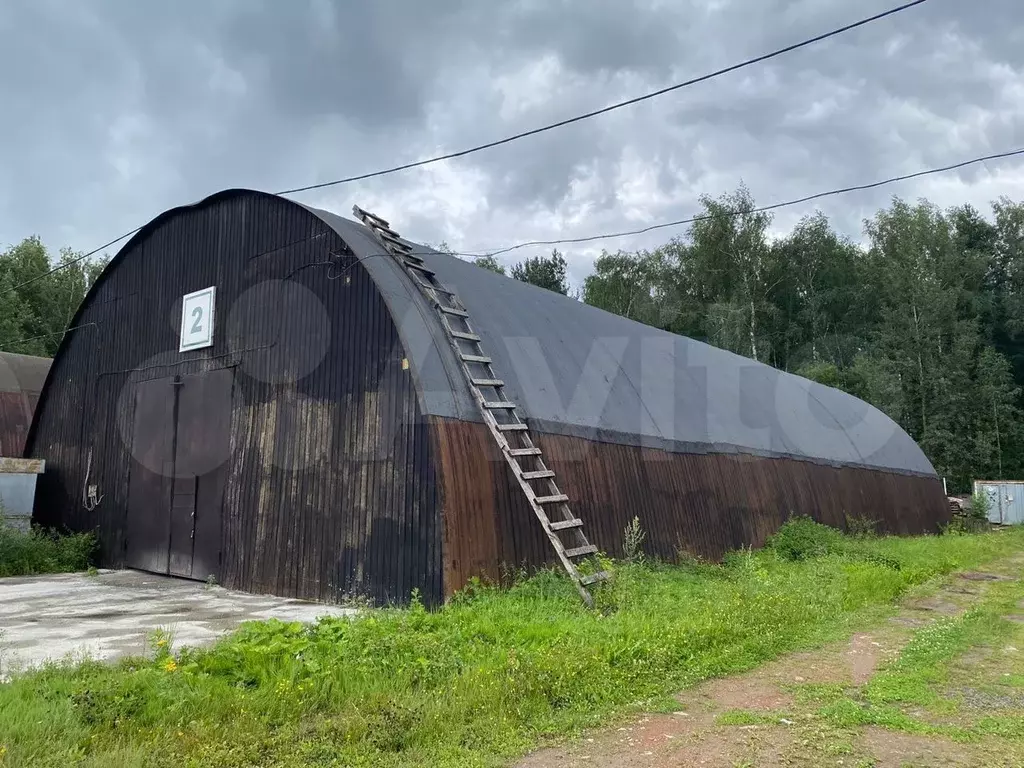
(469, 503)
(706, 504)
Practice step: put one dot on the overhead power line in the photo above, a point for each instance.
(650, 227)
(772, 207)
(535, 131)
(611, 107)
(75, 260)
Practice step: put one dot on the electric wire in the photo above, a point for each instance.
(610, 107)
(66, 264)
(760, 209)
(650, 227)
(633, 232)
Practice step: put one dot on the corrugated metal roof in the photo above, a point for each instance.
(575, 369)
(22, 373)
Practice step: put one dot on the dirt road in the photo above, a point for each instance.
(941, 683)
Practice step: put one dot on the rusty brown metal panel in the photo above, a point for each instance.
(21, 381)
(470, 502)
(14, 422)
(330, 486)
(707, 504)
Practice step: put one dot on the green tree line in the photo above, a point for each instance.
(36, 307)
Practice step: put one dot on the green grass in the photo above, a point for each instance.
(746, 717)
(28, 554)
(475, 684)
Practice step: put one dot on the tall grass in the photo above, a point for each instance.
(36, 552)
(476, 683)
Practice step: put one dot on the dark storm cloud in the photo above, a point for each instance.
(116, 110)
(603, 36)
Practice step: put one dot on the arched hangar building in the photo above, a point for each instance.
(255, 390)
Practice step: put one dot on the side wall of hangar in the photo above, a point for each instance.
(325, 442)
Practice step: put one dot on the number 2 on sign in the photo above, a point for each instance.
(197, 318)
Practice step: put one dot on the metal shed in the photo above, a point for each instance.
(1005, 500)
(324, 436)
(21, 381)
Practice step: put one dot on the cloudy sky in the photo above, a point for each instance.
(114, 110)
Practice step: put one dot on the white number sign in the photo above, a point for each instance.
(197, 319)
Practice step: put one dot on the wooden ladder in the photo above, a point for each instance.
(512, 435)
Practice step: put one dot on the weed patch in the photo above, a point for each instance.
(38, 552)
(745, 717)
(802, 538)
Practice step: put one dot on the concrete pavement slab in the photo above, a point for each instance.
(112, 614)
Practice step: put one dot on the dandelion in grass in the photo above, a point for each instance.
(170, 665)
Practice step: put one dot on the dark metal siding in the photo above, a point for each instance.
(21, 380)
(707, 504)
(329, 489)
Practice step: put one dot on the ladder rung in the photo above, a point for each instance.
(581, 551)
(391, 238)
(561, 525)
(438, 288)
(554, 499)
(382, 227)
(420, 268)
(475, 358)
(513, 428)
(524, 452)
(499, 404)
(488, 383)
(466, 336)
(453, 311)
(364, 214)
(601, 576)
(538, 475)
